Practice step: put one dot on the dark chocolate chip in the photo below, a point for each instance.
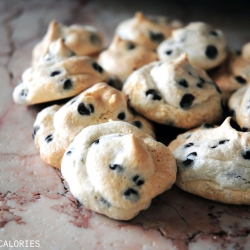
(54, 73)
(207, 125)
(202, 80)
(121, 116)
(92, 108)
(223, 141)
(35, 129)
(244, 129)
(188, 145)
(94, 39)
(138, 124)
(211, 52)
(240, 79)
(155, 95)
(97, 67)
(96, 141)
(186, 101)
(168, 52)
(82, 109)
(183, 83)
(214, 33)
(214, 146)
(131, 194)
(67, 84)
(130, 46)
(137, 180)
(105, 202)
(116, 167)
(156, 37)
(49, 138)
(246, 155)
(235, 125)
(69, 152)
(24, 93)
(189, 161)
(199, 85)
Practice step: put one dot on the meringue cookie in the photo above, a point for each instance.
(56, 127)
(57, 75)
(115, 169)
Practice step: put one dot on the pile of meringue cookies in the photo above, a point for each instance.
(156, 70)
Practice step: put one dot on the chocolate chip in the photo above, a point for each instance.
(54, 73)
(199, 85)
(244, 129)
(189, 161)
(188, 145)
(116, 167)
(137, 124)
(82, 109)
(207, 125)
(35, 129)
(121, 116)
(211, 52)
(156, 37)
(49, 138)
(130, 46)
(97, 67)
(155, 95)
(137, 180)
(92, 109)
(94, 39)
(240, 79)
(96, 141)
(24, 93)
(131, 194)
(186, 101)
(183, 83)
(202, 80)
(223, 141)
(69, 152)
(235, 125)
(168, 52)
(67, 84)
(214, 146)
(214, 33)
(105, 202)
(238, 52)
(246, 155)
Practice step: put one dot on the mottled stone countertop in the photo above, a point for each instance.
(34, 203)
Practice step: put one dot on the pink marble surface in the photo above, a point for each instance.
(34, 203)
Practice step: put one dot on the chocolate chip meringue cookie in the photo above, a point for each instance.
(239, 107)
(233, 74)
(123, 57)
(214, 162)
(206, 46)
(56, 127)
(174, 93)
(148, 31)
(57, 75)
(83, 40)
(115, 169)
